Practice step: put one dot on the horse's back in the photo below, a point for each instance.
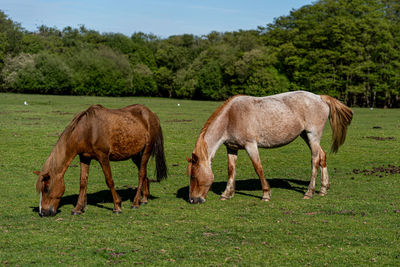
(287, 107)
(275, 120)
(120, 133)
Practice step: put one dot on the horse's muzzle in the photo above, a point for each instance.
(197, 200)
(46, 213)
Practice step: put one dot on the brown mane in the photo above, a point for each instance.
(90, 111)
(201, 148)
(215, 114)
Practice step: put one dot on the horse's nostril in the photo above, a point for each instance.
(45, 213)
(197, 200)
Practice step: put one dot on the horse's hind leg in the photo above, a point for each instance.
(145, 191)
(143, 181)
(145, 188)
(105, 165)
(313, 142)
(137, 160)
(252, 150)
(82, 199)
(324, 173)
(230, 186)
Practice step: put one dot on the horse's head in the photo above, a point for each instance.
(201, 179)
(51, 189)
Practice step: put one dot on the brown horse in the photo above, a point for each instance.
(133, 132)
(245, 122)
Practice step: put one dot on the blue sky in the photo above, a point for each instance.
(162, 18)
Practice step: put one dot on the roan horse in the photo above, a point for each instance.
(133, 132)
(245, 122)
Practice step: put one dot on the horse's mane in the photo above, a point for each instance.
(201, 146)
(215, 114)
(50, 163)
(89, 112)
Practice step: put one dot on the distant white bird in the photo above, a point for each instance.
(25, 103)
(179, 105)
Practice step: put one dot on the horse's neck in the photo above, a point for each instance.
(60, 157)
(211, 139)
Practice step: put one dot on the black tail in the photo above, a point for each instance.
(158, 152)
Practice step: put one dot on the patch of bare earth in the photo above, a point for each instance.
(379, 171)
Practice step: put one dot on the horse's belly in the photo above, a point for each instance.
(265, 137)
(124, 146)
(278, 136)
(122, 154)
(276, 142)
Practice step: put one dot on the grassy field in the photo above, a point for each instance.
(357, 223)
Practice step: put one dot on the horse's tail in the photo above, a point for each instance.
(158, 152)
(340, 117)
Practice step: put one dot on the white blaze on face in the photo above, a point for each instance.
(189, 187)
(40, 203)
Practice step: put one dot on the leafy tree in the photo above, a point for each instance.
(10, 37)
(100, 72)
(164, 79)
(210, 82)
(143, 82)
(41, 73)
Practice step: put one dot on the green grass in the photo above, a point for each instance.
(355, 224)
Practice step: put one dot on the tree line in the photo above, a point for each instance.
(348, 49)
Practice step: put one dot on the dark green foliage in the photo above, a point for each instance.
(348, 49)
(100, 72)
(10, 37)
(41, 73)
(210, 78)
(143, 82)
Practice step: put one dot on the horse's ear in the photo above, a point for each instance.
(195, 158)
(36, 172)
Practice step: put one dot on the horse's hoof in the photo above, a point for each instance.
(307, 197)
(117, 211)
(323, 191)
(134, 207)
(143, 203)
(76, 212)
(223, 198)
(265, 199)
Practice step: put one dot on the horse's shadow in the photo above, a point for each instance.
(98, 199)
(251, 185)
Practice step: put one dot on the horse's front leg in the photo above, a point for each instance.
(82, 199)
(105, 165)
(252, 150)
(230, 185)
